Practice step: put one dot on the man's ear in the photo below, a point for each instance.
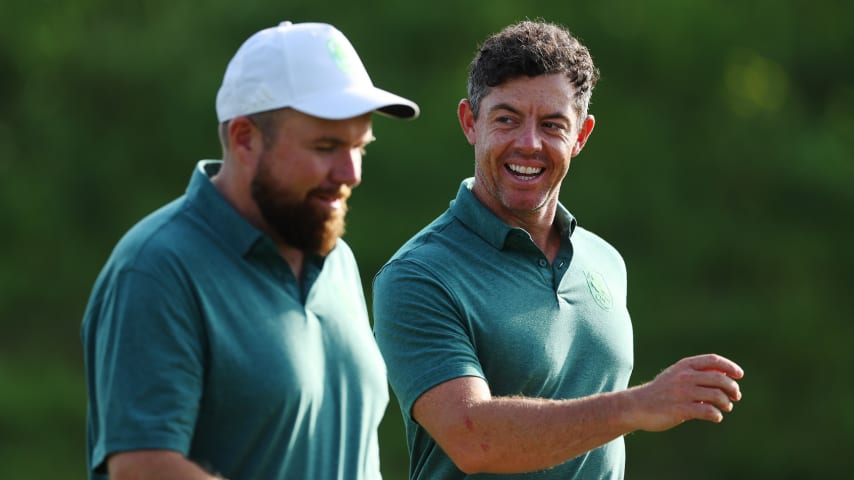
(466, 118)
(244, 141)
(584, 132)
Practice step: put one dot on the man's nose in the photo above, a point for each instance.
(348, 168)
(529, 139)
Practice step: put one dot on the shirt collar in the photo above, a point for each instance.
(468, 209)
(220, 216)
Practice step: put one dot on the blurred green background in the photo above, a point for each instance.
(721, 167)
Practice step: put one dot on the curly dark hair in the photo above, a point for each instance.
(532, 48)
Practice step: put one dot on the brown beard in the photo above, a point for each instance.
(296, 221)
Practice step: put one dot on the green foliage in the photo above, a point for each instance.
(720, 166)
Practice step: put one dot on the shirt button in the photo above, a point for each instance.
(543, 262)
(561, 264)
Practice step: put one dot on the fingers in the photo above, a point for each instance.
(702, 403)
(713, 397)
(705, 411)
(714, 362)
(719, 381)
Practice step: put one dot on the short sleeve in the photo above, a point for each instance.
(145, 358)
(421, 331)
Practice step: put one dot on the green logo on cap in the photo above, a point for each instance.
(343, 56)
(599, 290)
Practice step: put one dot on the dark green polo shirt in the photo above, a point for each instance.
(199, 339)
(471, 296)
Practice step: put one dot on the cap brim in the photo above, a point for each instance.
(357, 101)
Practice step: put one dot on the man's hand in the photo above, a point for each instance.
(703, 387)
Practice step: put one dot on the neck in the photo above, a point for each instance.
(539, 223)
(294, 257)
(545, 236)
(541, 226)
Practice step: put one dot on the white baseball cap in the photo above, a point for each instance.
(310, 67)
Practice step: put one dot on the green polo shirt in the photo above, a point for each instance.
(471, 296)
(198, 339)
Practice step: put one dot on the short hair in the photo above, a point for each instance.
(267, 122)
(532, 48)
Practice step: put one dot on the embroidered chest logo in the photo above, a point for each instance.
(599, 290)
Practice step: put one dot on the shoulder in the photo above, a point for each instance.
(588, 239)
(422, 258)
(595, 249)
(441, 238)
(158, 241)
(153, 268)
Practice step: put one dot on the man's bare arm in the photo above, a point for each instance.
(486, 434)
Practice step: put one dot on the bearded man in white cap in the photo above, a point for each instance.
(227, 335)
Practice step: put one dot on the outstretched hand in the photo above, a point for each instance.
(703, 387)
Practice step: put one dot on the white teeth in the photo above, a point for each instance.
(525, 170)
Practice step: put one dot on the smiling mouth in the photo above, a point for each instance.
(522, 172)
(333, 199)
(331, 202)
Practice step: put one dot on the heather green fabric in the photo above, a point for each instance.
(471, 296)
(199, 339)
